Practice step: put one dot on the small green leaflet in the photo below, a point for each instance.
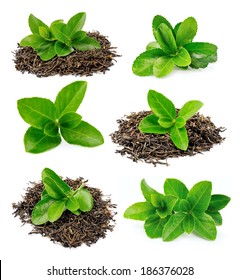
(173, 46)
(179, 210)
(60, 39)
(58, 197)
(47, 119)
(166, 120)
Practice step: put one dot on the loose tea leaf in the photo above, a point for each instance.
(156, 149)
(47, 119)
(178, 210)
(173, 46)
(70, 230)
(78, 63)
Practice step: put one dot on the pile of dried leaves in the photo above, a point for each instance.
(77, 63)
(155, 148)
(70, 230)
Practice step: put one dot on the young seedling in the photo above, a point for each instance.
(173, 46)
(58, 197)
(60, 38)
(165, 118)
(179, 210)
(49, 121)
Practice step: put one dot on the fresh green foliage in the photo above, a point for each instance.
(173, 46)
(165, 118)
(60, 38)
(48, 120)
(58, 197)
(179, 210)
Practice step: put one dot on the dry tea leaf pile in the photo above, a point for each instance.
(78, 63)
(156, 148)
(70, 230)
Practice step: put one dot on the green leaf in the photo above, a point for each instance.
(218, 202)
(45, 32)
(184, 205)
(199, 196)
(202, 61)
(70, 120)
(72, 204)
(44, 194)
(35, 141)
(54, 185)
(180, 122)
(51, 129)
(163, 66)
(166, 122)
(176, 28)
(157, 201)
(147, 191)
(166, 39)
(36, 111)
(201, 48)
(85, 200)
(189, 109)
(47, 51)
(154, 226)
(174, 227)
(76, 23)
(78, 212)
(175, 188)
(152, 46)
(162, 212)
(205, 226)
(35, 41)
(70, 97)
(61, 32)
(157, 20)
(57, 21)
(188, 223)
(143, 64)
(160, 105)
(55, 210)
(170, 203)
(62, 49)
(179, 137)
(164, 204)
(183, 58)
(186, 31)
(216, 216)
(35, 23)
(84, 135)
(150, 124)
(40, 211)
(140, 211)
(87, 43)
(77, 37)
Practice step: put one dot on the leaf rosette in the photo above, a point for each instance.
(49, 121)
(174, 46)
(179, 210)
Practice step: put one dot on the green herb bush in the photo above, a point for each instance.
(173, 46)
(49, 121)
(60, 39)
(179, 210)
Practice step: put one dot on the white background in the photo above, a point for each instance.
(109, 97)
